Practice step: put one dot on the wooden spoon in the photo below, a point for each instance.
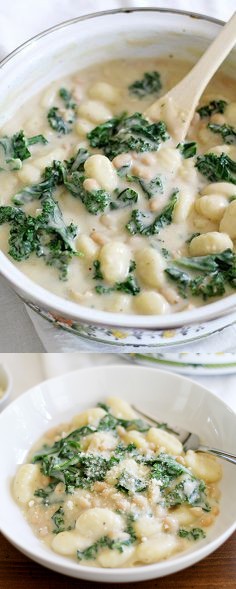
(177, 107)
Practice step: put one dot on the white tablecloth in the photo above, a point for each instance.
(19, 20)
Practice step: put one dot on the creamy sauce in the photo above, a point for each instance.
(158, 294)
(123, 494)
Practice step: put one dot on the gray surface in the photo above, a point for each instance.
(17, 333)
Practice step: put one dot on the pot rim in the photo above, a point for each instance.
(84, 314)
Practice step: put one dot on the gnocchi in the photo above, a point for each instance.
(129, 494)
(127, 201)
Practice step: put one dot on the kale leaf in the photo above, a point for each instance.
(187, 149)
(188, 490)
(97, 273)
(215, 106)
(165, 469)
(216, 272)
(149, 84)
(217, 168)
(193, 534)
(56, 117)
(58, 520)
(46, 235)
(153, 187)
(227, 132)
(127, 133)
(16, 148)
(129, 484)
(137, 223)
(124, 199)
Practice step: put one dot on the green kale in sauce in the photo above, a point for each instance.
(149, 84)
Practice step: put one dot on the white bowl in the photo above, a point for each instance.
(172, 398)
(78, 43)
(5, 386)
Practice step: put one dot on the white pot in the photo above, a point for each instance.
(66, 48)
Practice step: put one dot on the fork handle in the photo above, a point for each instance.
(220, 453)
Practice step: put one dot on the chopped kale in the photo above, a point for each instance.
(217, 168)
(56, 117)
(216, 272)
(227, 132)
(95, 202)
(45, 494)
(215, 106)
(155, 186)
(149, 84)
(125, 198)
(97, 270)
(188, 490)
(57, 121)
(53, 176)
(16, 148)
(104, 406)
(128, 483)
(165, 469)
(128, 133)
(104, 542)
(129, 286)
(193, 534)
(137, 221)
(66, 96)
(58, 520)
(76, 163)
(46, 235)
(187, 149)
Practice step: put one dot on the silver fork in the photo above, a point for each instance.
(189, 440)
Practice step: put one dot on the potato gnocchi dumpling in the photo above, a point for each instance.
(111, 490)
(125, 210)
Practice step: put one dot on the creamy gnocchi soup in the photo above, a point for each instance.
(102, 207)
(110, 490)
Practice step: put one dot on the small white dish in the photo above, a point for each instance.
(5, 386)
(169, 396)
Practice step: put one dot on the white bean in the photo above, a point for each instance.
(101, 169)
(115, 261)
(210, 243)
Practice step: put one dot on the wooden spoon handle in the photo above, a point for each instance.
(193, 85)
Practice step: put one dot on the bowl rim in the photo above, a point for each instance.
(64, 307)
(184, 558)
